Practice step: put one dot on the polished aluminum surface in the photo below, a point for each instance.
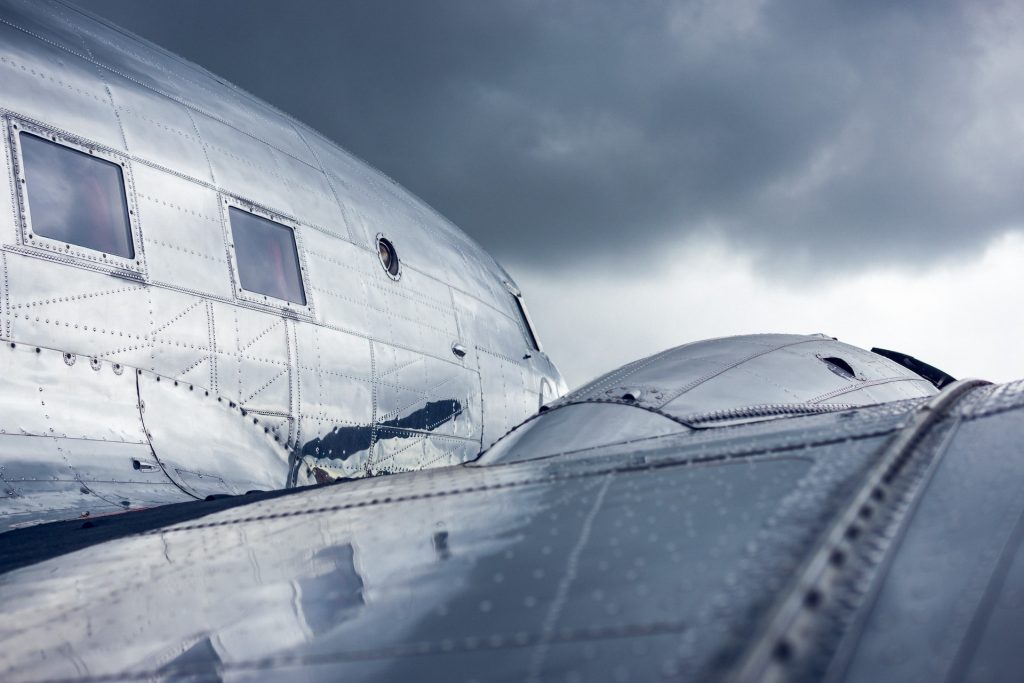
(358, 379)
(696, 382)
(652, 525)
(707, 384)
(640, 561)
(97, 437)
(579, 427)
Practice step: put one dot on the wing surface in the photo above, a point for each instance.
(669, 558)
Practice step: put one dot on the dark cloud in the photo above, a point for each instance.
(840, 133)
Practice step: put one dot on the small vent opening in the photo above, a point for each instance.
(840, 367)
(632, 395)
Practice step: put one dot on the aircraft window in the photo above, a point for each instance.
(76, 198)
(268, 262)
(388, 256)
(526, 322)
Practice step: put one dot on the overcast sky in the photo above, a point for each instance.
(658, 172)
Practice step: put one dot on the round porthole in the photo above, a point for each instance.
(388, 256)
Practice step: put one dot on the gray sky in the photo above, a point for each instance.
(658, 172)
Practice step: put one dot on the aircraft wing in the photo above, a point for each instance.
(869, 543)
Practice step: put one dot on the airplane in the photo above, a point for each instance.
(204, 297)
(268, 416)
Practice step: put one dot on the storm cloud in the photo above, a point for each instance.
(828, 134)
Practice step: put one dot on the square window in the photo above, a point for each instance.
(76, 198)
(266, 257)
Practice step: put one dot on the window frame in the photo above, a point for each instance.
(67, 251)
(397, 275)
(525, 322)
(266, 301)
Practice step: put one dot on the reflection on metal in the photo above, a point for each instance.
(95, 440)
(743, 375)
(219, 449)
(579, 427)
(753, 502)
(336, 356)
(715, 383)
(336, 595)
(547, 392)
(441, 545)
(656, 560)
(875, 512)
(326, 455)
(200, 654)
